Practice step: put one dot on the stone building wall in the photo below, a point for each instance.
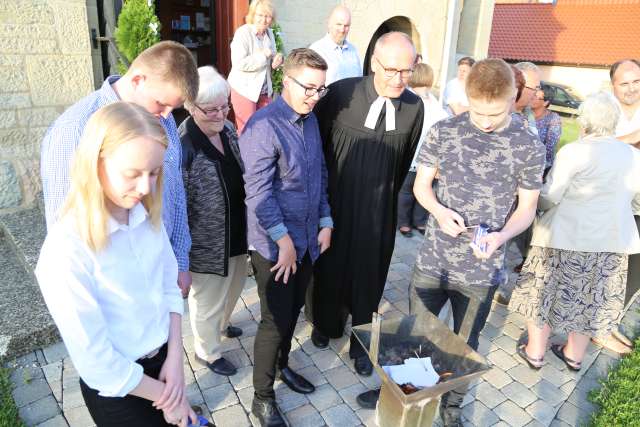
(45, 65)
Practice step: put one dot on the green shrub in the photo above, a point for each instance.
(138, 28)
(8, 411)
(619, 396)
(276, 75)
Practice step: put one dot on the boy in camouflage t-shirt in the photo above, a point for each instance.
(485, 159)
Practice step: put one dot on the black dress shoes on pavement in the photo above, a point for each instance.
(296, 382)
(318, 339)
(267, 413)
(232, 332)
(363, 366)
(220, 366)
(368, 399)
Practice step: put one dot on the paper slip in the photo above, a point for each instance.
(418, 372)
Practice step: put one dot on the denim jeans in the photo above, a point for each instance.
(470, 305)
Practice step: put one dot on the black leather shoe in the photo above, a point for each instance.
(368, 399)
(363, 366)
(232, 332)
(318, 339)
(221, 366)
(267, 413)
(296, 382)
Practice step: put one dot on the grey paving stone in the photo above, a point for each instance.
(506, 343)
(288, 400)
(56, 390)
(512, 414)
(243, 378)
(367, 416)
(479, 415)
(30, 392)
(25, 374)
(402, 306)
(497, 378)
(307, 346)
(57, 421)
(70, 377)
(298, 359)
(39, 411)
(535, 423)
(573, 415)
(232, 416)
(489, 395)
(55, 352)
(313, 375)
(502, 359)
(372, 381)
(484, 346)
(249, 327)
(246, 398)
(238, 358)
(393, 314)
(324, 397)
(525, 375)
(53, 371)
(349, 395)
(303, 330)
(194, 394)
(559, 423)
(542, 411)
(305, 416)
(228, 344)
(340, 416)
(341, 377)
(549, 393)
(241, 316)
(496, 320)
(207, 379)
(79, 417)
(392, 295)
(326, 360)
(489, 331)
(554, 376)
(340, 345)
(512, 330)
(220, 397)
(520, 394)
(580, 399)
(72, 398)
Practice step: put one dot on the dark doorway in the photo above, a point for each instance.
(397, 23)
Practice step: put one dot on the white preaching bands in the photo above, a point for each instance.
(374, 113)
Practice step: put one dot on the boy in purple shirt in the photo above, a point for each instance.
(288, 219)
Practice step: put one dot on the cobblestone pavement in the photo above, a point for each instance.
(48, 394)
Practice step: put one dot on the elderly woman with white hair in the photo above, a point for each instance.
(212, 172)
(573, 280)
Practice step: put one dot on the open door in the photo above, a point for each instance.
(229, 15)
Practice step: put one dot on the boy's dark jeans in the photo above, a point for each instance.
(471, 306)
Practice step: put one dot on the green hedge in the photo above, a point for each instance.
(619, 396)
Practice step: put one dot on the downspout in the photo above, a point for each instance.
(446, 50)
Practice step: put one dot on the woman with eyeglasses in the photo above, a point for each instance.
(212, 173)
(253, 56)
(548, 124)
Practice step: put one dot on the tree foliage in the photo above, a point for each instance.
(276, 75)
(138, 28)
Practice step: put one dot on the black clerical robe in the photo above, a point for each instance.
(366, 170)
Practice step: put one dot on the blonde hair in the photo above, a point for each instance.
(172, 63)
(267, 4)
(109, 128)
(422, 76)
(490, 79)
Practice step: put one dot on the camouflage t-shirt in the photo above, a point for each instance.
(480, 174)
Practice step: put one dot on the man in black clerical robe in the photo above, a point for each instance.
(370, 127)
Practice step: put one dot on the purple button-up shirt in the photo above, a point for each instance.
(285, 180)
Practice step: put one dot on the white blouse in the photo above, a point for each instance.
(111, 307)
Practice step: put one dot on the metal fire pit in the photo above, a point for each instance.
(391, 341)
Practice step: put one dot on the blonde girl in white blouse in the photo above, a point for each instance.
(108, 275)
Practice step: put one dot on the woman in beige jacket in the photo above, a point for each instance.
(253, 56)
(574, 279)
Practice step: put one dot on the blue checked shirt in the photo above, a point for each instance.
(60, 143)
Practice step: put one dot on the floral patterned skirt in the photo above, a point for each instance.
(572, 291)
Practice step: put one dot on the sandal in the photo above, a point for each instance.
(558, 350)
(612, 344)
(617, 333)
(533, 363)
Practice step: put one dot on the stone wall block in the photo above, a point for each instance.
(38, 31)
(10, 192)
(14, 143)
(28, 173)
(73, 30)
(7, 119)
(14, 79)
(34, 117)
(28, 46)
(61, 81)
(26, 12)
(14, 100)
(11, 61)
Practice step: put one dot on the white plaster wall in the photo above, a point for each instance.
(583, 79)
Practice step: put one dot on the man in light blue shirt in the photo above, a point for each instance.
(160, 79)
(340, 55)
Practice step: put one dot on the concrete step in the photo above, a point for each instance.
(25, 323)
